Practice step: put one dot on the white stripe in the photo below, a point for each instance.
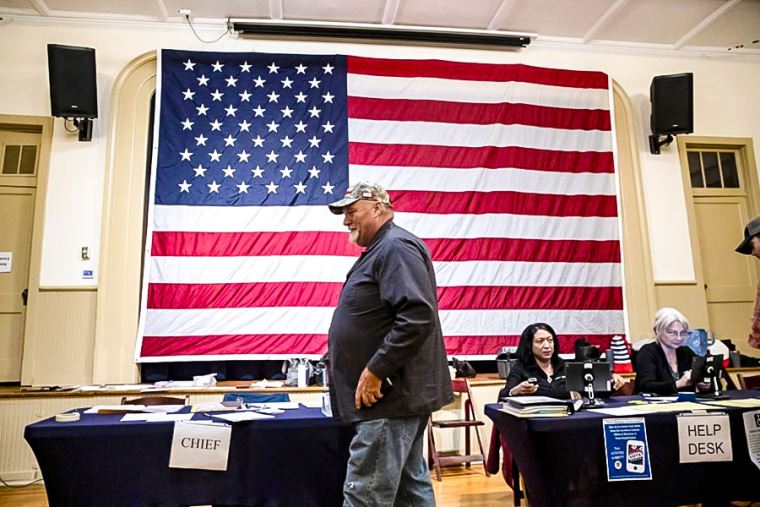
(512, 322)
(316, 320)
(316, 268)
(483, 92)
(447, 134)
(485, 180)
(490, 225)
(538, 274)
(272, 268)
(281, 320)
(246, 218)
(318, 218)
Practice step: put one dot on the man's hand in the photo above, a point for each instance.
(367, 390)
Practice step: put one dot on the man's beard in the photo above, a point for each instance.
(353, 236)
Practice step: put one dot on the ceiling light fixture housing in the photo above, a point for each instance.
(504, 40)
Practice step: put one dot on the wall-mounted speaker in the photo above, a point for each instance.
(672, 99)
(73, 87)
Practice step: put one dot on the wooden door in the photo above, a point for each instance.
(722, 208)
(18, 169)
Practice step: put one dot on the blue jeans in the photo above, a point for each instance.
(386, 465)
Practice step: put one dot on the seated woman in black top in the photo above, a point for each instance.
(664, 367)
(537, 359)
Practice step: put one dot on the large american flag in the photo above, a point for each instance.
(506, 171)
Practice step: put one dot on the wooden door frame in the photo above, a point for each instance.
(746, 155)
(45, 124)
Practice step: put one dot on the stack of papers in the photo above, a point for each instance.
(536, 406)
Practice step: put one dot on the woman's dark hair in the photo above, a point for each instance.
(525, 347)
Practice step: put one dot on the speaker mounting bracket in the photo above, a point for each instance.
(84, 126)
(658, 140)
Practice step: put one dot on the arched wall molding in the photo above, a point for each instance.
(123, 215)
(640, 294)
(121, 253)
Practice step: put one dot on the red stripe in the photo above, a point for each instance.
(224, 244)
(490, 345)
(518, 203)
(203, 244)
(153, 346)
(490, 157)
(530, 298)
(524, 250)
(478, 114)
(242, 295)
(233, 344)
(166, 296)
(476, 72)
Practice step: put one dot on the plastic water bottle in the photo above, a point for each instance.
(303, 374)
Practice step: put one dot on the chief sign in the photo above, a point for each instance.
(202, 446)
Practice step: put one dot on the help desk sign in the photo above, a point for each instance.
(704, 438)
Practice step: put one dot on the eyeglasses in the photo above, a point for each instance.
(676, 334)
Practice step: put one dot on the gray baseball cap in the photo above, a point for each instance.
(362, 190)
(751, 229)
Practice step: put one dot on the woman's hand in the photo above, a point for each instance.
(684, 381)
(617, 381)
(523, 388)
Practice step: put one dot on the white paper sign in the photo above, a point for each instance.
(704, 438)
(204, 446)
(752, 430)
(6, 262)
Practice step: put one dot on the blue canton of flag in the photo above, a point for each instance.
(252, 129)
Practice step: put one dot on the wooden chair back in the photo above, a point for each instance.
(155, 400)
(749, 381)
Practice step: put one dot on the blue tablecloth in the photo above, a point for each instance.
(563, 462)
(298, 458)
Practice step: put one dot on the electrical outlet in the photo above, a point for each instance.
(185, 12)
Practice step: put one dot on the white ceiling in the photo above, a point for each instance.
(727, 27)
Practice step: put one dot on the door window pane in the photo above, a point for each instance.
(730, 174)
(28, 159)
(10, 161)
(695, 169)
(712, 171)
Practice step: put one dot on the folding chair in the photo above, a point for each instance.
(470, 421)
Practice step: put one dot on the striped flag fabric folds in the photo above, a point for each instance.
(506, 171)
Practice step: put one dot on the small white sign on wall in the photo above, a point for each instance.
(6, 262)
(200, 445)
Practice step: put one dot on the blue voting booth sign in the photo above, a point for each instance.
(626, 449)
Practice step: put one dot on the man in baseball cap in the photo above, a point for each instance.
(362, 190)
(751, 246)
(388, 369)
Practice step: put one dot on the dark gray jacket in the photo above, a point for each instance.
(387, 320)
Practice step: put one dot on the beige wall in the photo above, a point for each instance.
(726, 104)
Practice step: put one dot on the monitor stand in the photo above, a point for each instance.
(591, 401)
(716, 394)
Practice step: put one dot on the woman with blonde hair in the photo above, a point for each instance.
(664, 366)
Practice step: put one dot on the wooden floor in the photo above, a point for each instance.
(460, 487)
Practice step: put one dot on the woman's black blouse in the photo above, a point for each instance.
(653, 373)
(554, 388)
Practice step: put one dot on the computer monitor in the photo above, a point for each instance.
(590, 378)
(708, 370)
